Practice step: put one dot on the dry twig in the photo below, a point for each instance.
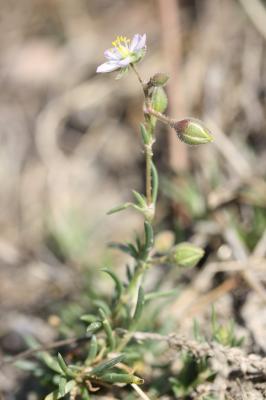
(235, 357)
(47, 346)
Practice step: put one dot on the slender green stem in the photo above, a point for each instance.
(139, 79)
(135, 283)
(148, 155)
(151, 195)
(163, 118)
(148, 147)
(133, 289)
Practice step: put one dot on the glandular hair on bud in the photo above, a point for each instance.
(192, 131)
(186, 255)
(159, 79)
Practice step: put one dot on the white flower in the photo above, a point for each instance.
(123, 53)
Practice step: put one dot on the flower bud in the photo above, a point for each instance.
(186, 255)
(159, 79)
(159, 99)
(164, 241)
(192, 131)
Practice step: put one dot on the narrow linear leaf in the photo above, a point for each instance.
(129, 273)
(133, 250)
(103, 305)
(93, 349)
(51, 362)
(148, 239)
(88, 318)
(94, 326)
(155, 183)
(138, 244)
(121, 207)
(140, 199)
(26, 365)
(118, 283)
(103, 367)
(145, 135)
(108, 330)
(132, 356)
(64, 367)
(57, 395)
(121, 378)
(62, 386)
(53, 395)
(62, 363)
(85, 394)
(69, 386)
(139, 307)
(156, 295)
(124, 248)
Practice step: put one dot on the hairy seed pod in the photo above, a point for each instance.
(185, 255)
(192, 131)
(159, 99)
(159, 79)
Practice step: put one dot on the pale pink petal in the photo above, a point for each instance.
(142, 42)
(108, 67)
(126, 61)
(138, 42)
(112, 54)
(134, 42)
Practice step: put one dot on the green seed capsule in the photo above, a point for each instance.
(159, 79)
(192, 131)
(186, 255)
(159, 99)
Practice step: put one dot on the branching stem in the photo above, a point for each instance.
(148, 154)
(161, 117)
(139, 79)
(148, 147)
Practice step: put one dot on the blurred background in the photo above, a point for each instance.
(70, 150)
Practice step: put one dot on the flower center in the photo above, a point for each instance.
(121, 44)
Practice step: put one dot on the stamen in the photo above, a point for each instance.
(121, 42)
